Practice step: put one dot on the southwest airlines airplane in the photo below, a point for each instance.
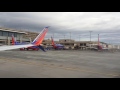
(37, 41)
(14, 42)
(56, 46)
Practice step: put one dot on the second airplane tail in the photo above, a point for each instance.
(53, 44)
(13, 40)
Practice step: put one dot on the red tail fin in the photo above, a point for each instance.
(13, 40)
(98, 41)
(53, 44)
(38, 40)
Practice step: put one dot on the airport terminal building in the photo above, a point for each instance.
(5, 36)
(72, 44)
(27, 36)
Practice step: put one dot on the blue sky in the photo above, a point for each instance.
(106, 24)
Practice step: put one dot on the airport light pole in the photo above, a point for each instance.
(70, 35)
(70, 40)
(98, 40)
(90, 35)
(90, 39)
(64, 36)
(79, 37)
(53, 35)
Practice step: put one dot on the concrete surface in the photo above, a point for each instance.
(59, 64)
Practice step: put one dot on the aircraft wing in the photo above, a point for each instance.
(37, 41)
(2, 48)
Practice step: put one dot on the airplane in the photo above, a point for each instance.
(100, 47)
(56, 46)
(36, 42)
(14, 42)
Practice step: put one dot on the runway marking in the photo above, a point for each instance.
(53, 66)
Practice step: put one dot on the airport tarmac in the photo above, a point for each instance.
(59, 64)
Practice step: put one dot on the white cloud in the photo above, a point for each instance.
(63, 22)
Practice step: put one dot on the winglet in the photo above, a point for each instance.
(38, 40)
(47, 27)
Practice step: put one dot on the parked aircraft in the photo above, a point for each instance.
(100, 47)
(37, 41)
(14, 42)
(57, 46)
